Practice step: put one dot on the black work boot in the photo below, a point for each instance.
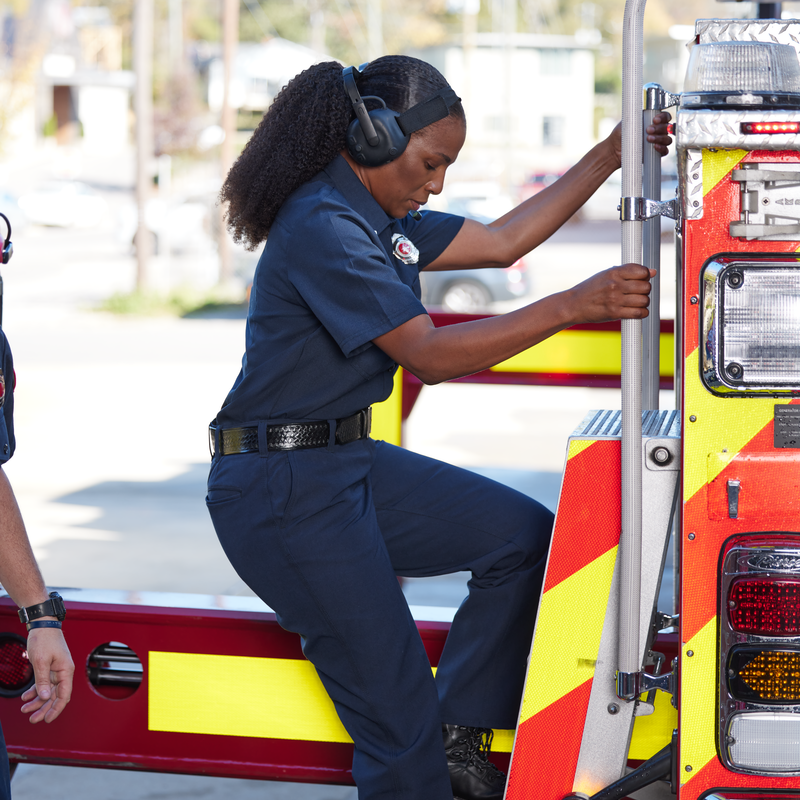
(472, 775)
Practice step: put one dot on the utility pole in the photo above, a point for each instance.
(375, 48)
(230, 38)
(143, 102)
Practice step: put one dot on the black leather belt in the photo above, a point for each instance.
(294, 436)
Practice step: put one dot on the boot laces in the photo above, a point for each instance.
(479, 746)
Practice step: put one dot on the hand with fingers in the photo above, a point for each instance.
(53, 669)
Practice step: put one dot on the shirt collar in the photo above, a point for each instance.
(356, 194)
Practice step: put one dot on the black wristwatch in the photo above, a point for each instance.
(54, 607)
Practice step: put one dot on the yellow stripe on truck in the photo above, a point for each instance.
(564, 651)
(698, 692)
(266, 698)
(272, 698)
(582, 352)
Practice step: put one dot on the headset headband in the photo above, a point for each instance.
(414, 119)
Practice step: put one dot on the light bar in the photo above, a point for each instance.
(765, 606)
(743, 67)
(769, 128)
(765, 742)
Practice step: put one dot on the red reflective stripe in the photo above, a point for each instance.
(548, 745)
(588, 508)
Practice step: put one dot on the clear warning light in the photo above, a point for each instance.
(765, 742)
(742, 67)
(751, 325)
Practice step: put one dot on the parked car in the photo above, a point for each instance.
(536, 182)
(467, 291)
(63, 204)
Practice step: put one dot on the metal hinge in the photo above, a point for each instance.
(770, 203)
(631, 684)
(639, 209)
(657, 99)
(664, 620)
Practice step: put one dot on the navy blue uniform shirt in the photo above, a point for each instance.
(7, 440)
(326, 285)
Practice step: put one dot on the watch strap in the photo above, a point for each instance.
(43, 623)
(52, 607)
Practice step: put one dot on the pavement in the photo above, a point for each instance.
(111, 421)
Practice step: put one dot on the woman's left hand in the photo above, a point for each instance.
(657, 134)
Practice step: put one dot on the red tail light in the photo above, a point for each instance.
(765, 606)
(16, 672)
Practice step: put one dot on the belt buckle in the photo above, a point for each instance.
(212, 440)
(367, 421)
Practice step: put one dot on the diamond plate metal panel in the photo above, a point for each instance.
(709, 128)
(710, 31)
(691, 176)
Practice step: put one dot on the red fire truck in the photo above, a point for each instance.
(620, 695)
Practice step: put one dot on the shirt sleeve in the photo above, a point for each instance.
(431, 234)
(342, 273)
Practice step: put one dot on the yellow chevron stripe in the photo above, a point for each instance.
(717, 165)
(699, 693)
(564, 653)
(722, 428)
(284, 699)
(653, 732)
(581, 352)
(387, 417)
(577, 446)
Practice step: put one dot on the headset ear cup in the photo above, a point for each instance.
(391, 140)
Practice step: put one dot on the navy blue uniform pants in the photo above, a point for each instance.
(5, 770)
(320, 535)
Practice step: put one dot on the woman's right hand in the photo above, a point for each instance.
(451, 351)
(616, 293)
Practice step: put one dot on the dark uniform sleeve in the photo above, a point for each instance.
(431, 234)
(7, 441)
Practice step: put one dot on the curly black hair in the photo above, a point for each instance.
(303, 131)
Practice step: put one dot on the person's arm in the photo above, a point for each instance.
(21, 578)
(502, 242)
(440, 354)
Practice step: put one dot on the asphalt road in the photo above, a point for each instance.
(111, 419)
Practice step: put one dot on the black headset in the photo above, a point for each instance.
(7, 245)
(379, 136)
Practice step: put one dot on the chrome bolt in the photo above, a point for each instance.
(691, 537)
(661, 455)
(613, 708)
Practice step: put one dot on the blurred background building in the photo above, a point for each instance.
(539, 80)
